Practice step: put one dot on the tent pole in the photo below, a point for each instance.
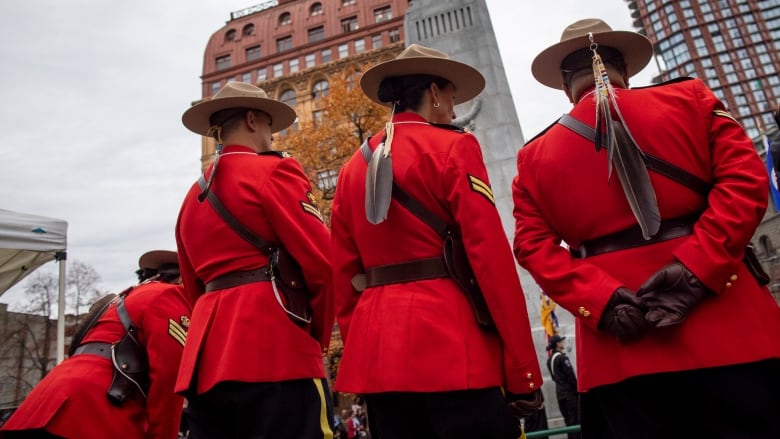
(61, 257)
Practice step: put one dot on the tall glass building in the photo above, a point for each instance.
(733, 45)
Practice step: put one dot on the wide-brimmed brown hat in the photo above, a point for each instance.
(421, 60)
(637, 50)
(238, 95)
(154, 259)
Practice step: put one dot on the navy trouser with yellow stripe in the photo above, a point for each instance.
(301, 409)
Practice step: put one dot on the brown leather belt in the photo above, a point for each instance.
(632, 237)
(237, 278)
(95, 348)
(420, 269)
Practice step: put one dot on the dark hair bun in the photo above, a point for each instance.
(390, 90)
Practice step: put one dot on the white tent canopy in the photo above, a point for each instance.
(27, 242)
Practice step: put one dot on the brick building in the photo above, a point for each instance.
(291, 48)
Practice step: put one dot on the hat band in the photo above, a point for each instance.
(220, 117)
(583, 58)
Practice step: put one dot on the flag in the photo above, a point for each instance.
(549, 320)
(773, 189)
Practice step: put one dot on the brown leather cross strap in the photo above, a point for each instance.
(632, 237)
(237, 278)
(652, 162)
(100, 349)
(421, 269)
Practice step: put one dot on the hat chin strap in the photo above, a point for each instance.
(216, 132)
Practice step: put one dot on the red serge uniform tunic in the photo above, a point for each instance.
(561, 192)
(242, 333)
(422, 336)
(71, 400)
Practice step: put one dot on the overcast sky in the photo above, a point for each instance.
(93, 92)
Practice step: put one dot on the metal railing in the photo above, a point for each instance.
(553, 431)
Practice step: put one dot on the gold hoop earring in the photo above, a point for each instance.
(435, 105)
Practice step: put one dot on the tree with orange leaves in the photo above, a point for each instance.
(327, 138)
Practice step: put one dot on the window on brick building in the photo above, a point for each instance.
(288, 97)
(376, 41)
(285, 18)
(353, 79)
(349, 24)
(394, 35)
(327, 179)
(249, 29)
(360, 45)
(284, 44)
(383, 14)
(316, 34)
(223, 62)
(253, 53)
(343, 50)
(315, 9)
(317, 116)
(321, 88)
(230, 35)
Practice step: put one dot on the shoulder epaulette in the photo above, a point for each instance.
(280, 154)
(449, 127)
(540, 133)
(671, 81)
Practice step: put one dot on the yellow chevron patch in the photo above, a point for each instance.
(723, 113)
(177, 332)
(312, 209)
(482, 188)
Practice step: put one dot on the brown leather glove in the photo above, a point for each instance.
(624, 315)
(670, 294)
(525, 405)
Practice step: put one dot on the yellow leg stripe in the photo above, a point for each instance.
(327, 432)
